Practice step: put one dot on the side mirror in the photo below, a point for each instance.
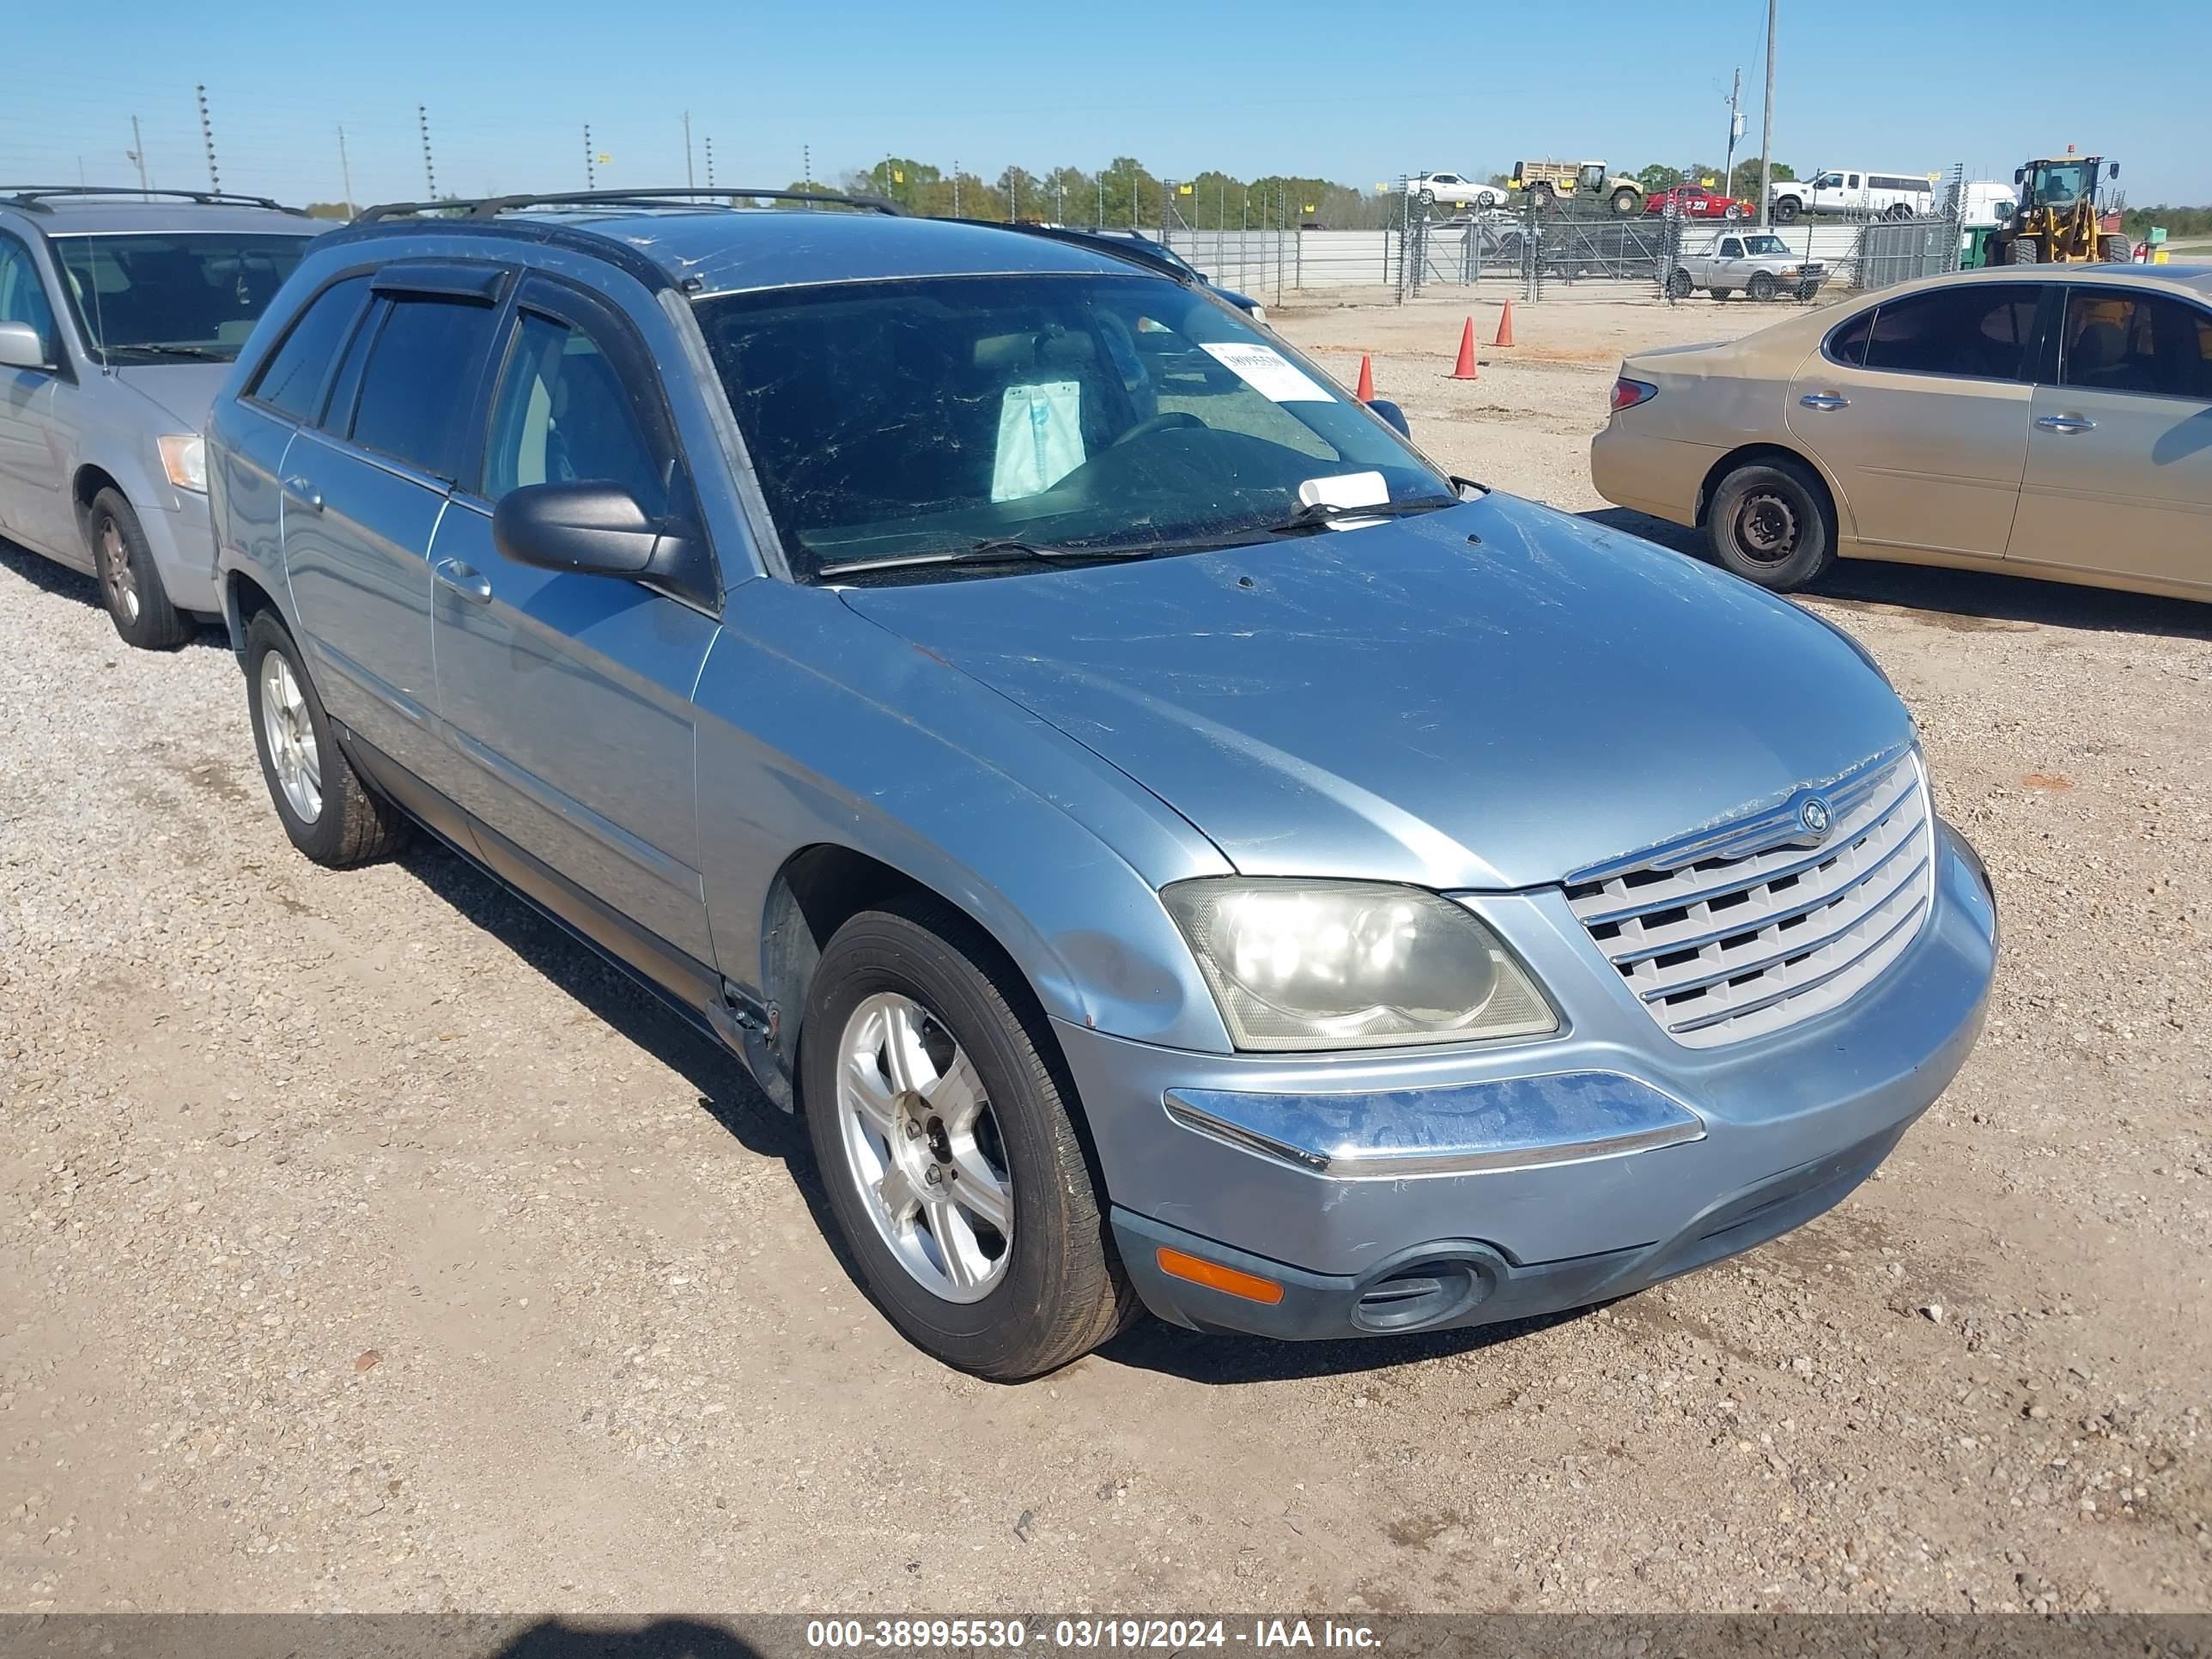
(22, 347)
(2111, 170)
(2020, 175)
(1391, 416)
(593, 529)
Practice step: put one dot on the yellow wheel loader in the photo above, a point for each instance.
(2058, 219)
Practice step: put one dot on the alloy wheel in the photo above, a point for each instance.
(922, 1147)
(117, 572)
(291, 737)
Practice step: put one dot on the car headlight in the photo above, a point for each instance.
(184, 458)
(1346, 964)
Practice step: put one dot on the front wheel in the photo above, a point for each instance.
(1762, 286)
(1678, 285)
(1787, 210)
(1734, 210)
(1623, 202)
(947, 1147)
(2022, 251)
(130, 585)
(1769, 522)
(2116, 250)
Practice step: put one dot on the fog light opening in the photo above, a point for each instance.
(1421, 1293)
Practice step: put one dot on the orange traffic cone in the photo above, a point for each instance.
(1504, 325)
(1366, 393)
(1464, 369)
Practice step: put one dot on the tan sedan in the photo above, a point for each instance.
(2051, 420)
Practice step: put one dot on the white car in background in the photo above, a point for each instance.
(1450, 190)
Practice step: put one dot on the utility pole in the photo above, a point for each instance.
(429, 171)
(1736, 131)
(688, 180)
(591, 168)
(207, 137)
(1767, 127)
(710, 163)
(956, 187)
(345, 173)
(138, 154)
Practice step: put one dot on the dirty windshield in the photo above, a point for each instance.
(1101, 413)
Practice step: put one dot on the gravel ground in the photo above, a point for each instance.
(362, 1246)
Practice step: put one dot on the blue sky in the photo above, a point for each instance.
(1357, 94)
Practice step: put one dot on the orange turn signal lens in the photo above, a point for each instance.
(1215, 1277)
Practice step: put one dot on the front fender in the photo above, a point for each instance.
(817, 726)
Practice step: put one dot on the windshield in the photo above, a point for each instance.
(1094, 412)
(173, 297)
(1763, 245)
(2060, 184)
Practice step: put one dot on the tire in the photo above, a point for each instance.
(1762, 285)
(1623, 202)
(1898, 211)
(1770, 523)
(1788, 209)
(1678, 285)
(129, 586)
(1054, 1290)
(1734, 210)
(2022, 251)
(2116, 250)
(1547, 197)
(1427, 199)
(1720, 293)
(339, 822)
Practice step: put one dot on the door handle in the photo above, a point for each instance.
(304, 492)
(1824, 400)
(2067, 423)
(466, 580)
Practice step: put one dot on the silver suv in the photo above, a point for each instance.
(121, 312)
(1173, 844)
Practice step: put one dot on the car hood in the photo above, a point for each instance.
(1407, 702)
(185, 392)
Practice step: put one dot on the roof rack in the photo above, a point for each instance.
(33, 198)
(1135, 248)
(490, 207)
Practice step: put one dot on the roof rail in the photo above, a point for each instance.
(33, 198)
(1135, 248)
(490, 207)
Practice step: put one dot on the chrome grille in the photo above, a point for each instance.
(1754, 926)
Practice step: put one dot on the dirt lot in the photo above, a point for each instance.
(360, 1246)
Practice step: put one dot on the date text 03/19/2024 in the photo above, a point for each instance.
(1112, 1635)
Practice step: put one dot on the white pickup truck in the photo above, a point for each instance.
(1757, 263)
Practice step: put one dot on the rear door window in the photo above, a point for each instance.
(291, 382)
(419, 380)
(1980, 331)
(2115, 341)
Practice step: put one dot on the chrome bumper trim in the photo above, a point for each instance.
(1512, 1123)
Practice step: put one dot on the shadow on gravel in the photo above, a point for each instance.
(726, 1092)
(60, 580)
(1151, 1345)
(1966, 601)
(664, 1638)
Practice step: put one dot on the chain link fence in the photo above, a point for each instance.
(1533, 253)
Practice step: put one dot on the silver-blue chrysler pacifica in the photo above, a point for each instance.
(1175, 846)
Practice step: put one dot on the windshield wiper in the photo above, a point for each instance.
(162, 348)
(994, 550)
(1318, 515)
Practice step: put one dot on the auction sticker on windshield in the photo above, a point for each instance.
(1265, 371)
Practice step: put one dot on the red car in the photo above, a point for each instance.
(1696, 202)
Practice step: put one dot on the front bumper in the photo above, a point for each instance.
(1426, 1191)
